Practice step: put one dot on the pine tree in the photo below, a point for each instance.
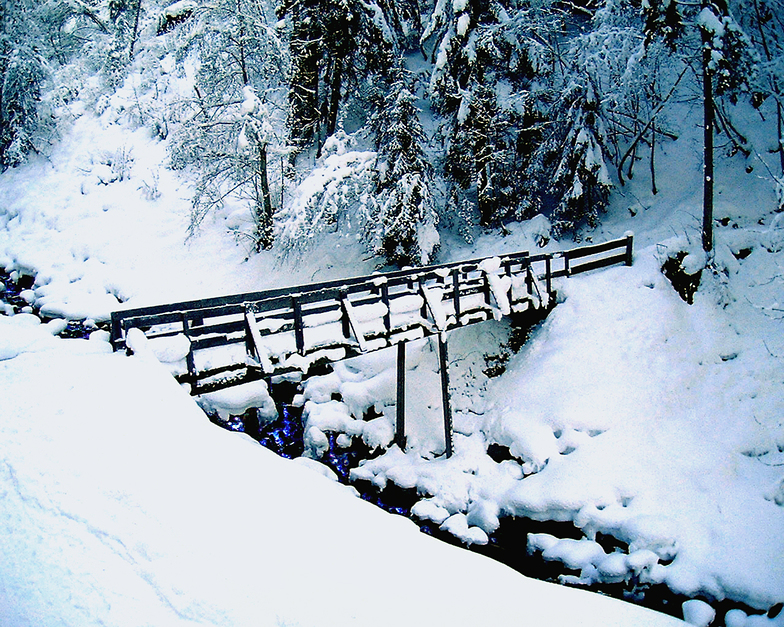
(573, 159)
(490, 61)
(21, 74)
(124, 16)
(406, 216)
(335, 45)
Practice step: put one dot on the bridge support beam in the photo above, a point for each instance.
(443, 360)
(400, 407)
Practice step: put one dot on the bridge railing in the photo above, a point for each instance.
(234, 338)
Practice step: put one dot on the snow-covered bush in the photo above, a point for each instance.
(335, 197)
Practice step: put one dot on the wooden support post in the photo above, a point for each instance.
(251, 423)
(629, 248)
(400, 407)
(299, 334)
(189, 361)
(443, 359)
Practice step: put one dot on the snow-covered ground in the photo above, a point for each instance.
(629, 413)
(123, 505)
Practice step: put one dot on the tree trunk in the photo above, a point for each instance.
(780, 125)
(135, 30)
(336, 84)
(303, 92)
(707, 104)
(263, 212)
(654, 190)
(241, 44)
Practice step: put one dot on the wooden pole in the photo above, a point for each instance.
(443, 367)
(400, 408)
(547, 276)
(707, 111)
(189, 359)
(456, 293)
(299, 333)
(388, 312)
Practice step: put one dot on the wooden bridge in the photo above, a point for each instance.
(221, 342)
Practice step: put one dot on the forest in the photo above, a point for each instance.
(417, 116)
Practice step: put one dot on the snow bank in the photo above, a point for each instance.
(637, 416)
(123, 505)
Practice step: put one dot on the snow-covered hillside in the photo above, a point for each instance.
(123, 505)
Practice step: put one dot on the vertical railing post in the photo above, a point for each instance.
(400, 408)
(443, 359)
(456, 293)
(629, 247)
(388, 313)
(486, 288)
(116, 329)
(250, 349)
(189, 361)
(548, 276)
(299, 334)
(421, 292)
(345, 323)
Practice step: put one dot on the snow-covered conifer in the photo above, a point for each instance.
(406, 226)
(574, 157)
(24, 58)
(490, 62)
(335, 46)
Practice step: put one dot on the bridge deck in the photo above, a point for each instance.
(219, 342)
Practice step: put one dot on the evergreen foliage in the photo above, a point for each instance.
(335, 45)
(574, 154)
(414, 115)
(406, 215)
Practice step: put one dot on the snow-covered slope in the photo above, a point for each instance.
(123, 505)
